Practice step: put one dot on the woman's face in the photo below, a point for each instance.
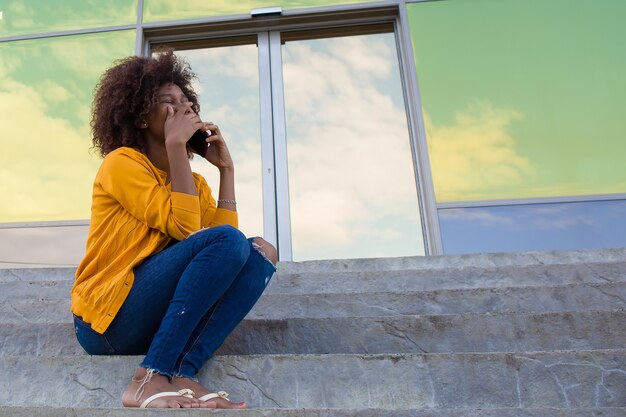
(168, 95)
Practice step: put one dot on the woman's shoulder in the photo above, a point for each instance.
(125, 151)
(125, 155)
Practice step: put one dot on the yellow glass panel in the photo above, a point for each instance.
(522, 98)
(46, 85)
(19, 17)
(159, 10)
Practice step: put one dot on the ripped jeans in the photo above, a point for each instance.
(184, 302)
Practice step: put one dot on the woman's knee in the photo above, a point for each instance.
(231, 231)
(266, 249)
(226, 236)
(236, 239)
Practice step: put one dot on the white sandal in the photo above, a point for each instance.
(219, 394)
(187, 393)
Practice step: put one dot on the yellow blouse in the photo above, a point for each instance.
(134, 214)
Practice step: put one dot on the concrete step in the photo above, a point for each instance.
(313, 412)
(560, 298)
(477, 260)
(392, 334)
(561, 379)
(415, 263)
(401, 281)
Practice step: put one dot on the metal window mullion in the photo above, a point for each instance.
(591, 198)
(44, 223)
(280, 149)
(417, 131)
(140, 47)
(270, 231)
(66, 33)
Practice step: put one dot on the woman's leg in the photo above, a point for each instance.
(156, 282)
(172, 292)
(207, 277)
(222, 319)
(227, 313)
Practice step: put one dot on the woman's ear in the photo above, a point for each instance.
(142, 124)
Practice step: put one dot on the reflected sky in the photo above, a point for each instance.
(533, 227)
(39, 246)
(228, 86)
(21, 17)
(46, 169)
(159, 10)
(340, 182)
(522, 98)
(351, 182)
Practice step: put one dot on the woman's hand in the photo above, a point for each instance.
(180, 124)
(217, 152)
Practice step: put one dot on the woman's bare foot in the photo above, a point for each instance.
(182, 383)
(138, 390)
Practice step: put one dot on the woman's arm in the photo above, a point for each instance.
(179, 126)
(127, 176)
(218, 155)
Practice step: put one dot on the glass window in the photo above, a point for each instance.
(351, 181)
(46, 85)
(159, 10)
(231, 100)
(522, 98)
(19, 17)
(39, 246)
(596, 224)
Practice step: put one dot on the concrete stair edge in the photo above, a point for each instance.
(561, 379)
(479, 260)
(535, 299)
(315, 412)
(470, 332)
(392, 281)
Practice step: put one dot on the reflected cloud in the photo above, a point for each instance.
(45, 166)
(53, 91)
(562, 217)
(484, 216)
(545, 217)
(230, 99)
(45, 16)
(352, 187)
(476, 157)
(30, 247)
(551, 226)
(19, 15)
(168, 10)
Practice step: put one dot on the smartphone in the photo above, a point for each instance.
(198, 142)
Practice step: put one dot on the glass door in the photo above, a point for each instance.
(228, 87)
(352, 188)
(317, 126)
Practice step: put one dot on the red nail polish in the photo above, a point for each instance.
(240, 404)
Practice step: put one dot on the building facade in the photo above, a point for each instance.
(358, 129)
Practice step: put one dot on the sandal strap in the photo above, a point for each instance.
(220, 394)
(187, 393)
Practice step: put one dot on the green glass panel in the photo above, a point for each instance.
(159, 10)
(522, 98)
(21, 17)
(46, 85)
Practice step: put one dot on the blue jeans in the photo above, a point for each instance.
(184, 302)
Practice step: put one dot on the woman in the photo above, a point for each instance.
(166, 273)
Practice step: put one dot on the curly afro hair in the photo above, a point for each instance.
(127, 91)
